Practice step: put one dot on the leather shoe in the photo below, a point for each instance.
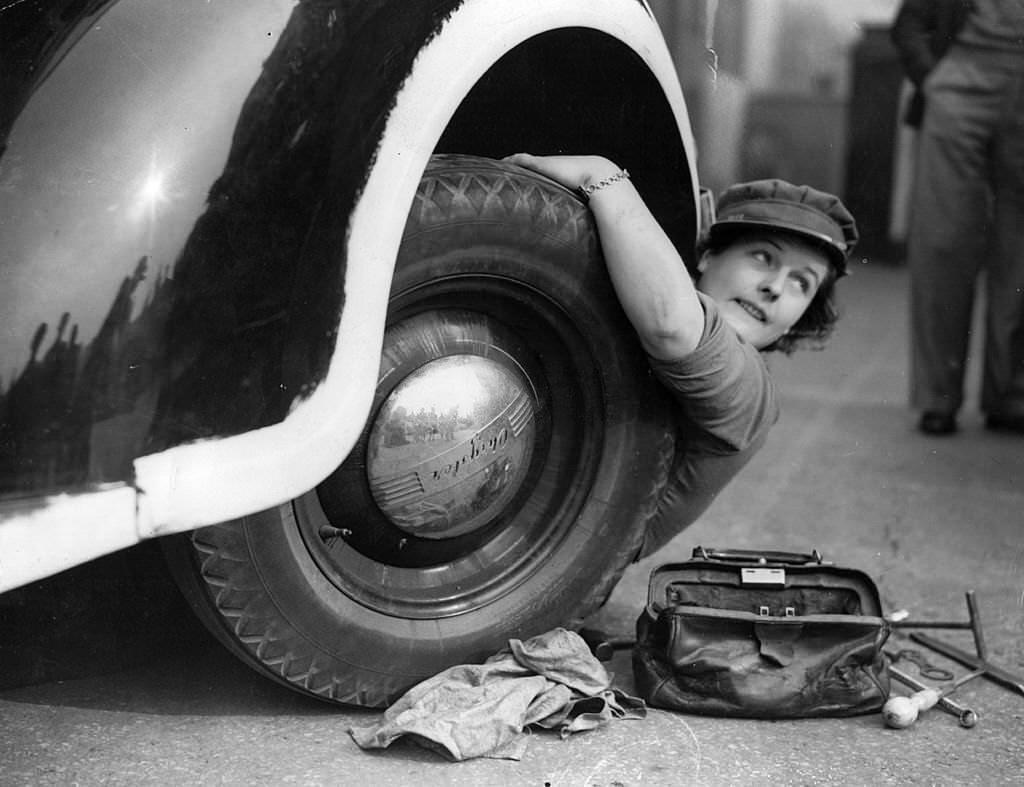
(1005, 423)
(935, 423)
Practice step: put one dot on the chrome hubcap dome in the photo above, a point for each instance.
(451, 445)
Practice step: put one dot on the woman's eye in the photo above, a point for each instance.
(763, 257)
(803, 283)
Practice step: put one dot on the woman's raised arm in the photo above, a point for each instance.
(650, 278)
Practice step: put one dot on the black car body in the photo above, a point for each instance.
(201, 208)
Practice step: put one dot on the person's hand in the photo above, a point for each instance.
(571, 171)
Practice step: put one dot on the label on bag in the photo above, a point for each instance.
(762, 576)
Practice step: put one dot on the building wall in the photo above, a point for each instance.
(772, 98)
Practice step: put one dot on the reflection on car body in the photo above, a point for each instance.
(202, 205)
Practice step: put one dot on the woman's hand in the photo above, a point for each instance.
(571, 171)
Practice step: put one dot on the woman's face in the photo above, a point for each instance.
(763, 283)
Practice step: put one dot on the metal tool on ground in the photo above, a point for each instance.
(901, 712)
(989, 670)
(924, 667)
(897, 621)
(964, 715)
(603, 645)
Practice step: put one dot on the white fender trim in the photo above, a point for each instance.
(220, 479)
(213, 481)
(63, 531)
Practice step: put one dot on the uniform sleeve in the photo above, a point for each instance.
(728, 404)
(723, 387)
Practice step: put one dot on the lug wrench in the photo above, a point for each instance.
(974, 624)
(989, 670)
(965, 716)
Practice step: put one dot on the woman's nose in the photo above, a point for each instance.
(771, 285)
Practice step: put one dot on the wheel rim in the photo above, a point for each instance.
(548, 403)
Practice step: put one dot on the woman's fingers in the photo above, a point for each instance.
(570, 171)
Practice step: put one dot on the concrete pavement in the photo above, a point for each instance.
(844, 472)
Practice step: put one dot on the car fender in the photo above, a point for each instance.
(237, 468)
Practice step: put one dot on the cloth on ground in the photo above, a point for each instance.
(551, 681)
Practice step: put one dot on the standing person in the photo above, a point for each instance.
(967, 210)
(767, 273)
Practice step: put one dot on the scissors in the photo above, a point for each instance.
(924, 667)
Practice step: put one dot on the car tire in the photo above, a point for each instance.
(508, 504)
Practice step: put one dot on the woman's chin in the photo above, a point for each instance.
(750, 330)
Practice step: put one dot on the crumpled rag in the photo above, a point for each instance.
(551, 681)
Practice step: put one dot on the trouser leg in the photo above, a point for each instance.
(1003, 380)
(948, 220)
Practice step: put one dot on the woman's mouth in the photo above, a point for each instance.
(752, 310)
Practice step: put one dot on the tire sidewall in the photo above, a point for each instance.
(558, 256)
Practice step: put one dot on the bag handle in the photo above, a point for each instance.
(757, 556)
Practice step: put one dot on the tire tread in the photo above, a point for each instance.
(226, 586)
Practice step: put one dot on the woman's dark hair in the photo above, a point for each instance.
(819, 318)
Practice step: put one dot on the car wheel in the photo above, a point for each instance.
(514, 451)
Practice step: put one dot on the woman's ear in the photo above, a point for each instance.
(702, 263)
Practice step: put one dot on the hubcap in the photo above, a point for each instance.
(469, 475)
(451, 446)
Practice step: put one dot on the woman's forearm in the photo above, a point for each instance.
(650, 278)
